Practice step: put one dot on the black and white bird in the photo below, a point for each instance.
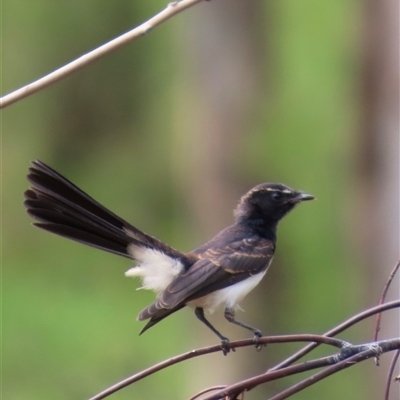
(220, 272)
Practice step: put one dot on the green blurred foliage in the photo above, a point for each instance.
(69, 326)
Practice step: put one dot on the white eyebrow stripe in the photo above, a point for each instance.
(278, 190)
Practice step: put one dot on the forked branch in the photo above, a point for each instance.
(347, 356)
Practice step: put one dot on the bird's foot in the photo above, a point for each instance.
(257, 335)
(224, 346)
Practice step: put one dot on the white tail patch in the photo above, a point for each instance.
(156, 269)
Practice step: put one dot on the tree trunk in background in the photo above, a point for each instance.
(221, 82)
(379, 156)
(221, 75)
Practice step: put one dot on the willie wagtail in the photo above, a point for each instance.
(220, 272)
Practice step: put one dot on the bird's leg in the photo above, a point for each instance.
(230, 316)
(224, 340)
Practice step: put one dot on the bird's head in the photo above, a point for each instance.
(267, 203)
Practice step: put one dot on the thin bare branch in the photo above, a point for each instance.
(210, 389)
(277, 372)
(323, 374)
(383, 297)
(153, 369)
(171, 10)
(372, 351)
(254, 381)
(349, 356)
(340, 328)
(213, 349)
(390, 374)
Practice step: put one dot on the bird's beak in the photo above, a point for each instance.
(301, 197)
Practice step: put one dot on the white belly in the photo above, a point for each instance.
(230, 296)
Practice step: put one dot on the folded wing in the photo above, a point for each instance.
(215, 270)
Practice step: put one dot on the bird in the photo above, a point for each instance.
(220, 272)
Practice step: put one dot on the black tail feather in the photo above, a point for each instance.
(62, 208)
(60, 190)
(156, 318)
(57, 218)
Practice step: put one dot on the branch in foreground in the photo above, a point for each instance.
(171, 10)
(390, 374)
(350, 355)
(213, 349)
(340, 328)
(364, 355)
(316, 339)
(210, 389)
(383, 297)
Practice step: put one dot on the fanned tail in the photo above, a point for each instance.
(62, 208)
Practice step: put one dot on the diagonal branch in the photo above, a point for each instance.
(247, 384)
(279, 369)
(325, 373)
(349, 356)
(171, 10)
(213, 349)
(340, 328)
(390, 374)
(383, 297)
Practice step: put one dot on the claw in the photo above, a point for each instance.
(225, 348)
(257, 335)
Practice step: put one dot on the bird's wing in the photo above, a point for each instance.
(62, 208)
(217, 268)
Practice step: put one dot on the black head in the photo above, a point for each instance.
(268, 203)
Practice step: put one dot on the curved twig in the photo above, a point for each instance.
(335, 363)
(390, 374)
(383, 297)
(323, 374)
(273, 373)
(210, 389)
(213, 349)
(340, 328)
(254, 381)
(171, 10)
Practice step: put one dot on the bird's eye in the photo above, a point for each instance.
(276, 196)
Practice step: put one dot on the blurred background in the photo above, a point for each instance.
(169, 132)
